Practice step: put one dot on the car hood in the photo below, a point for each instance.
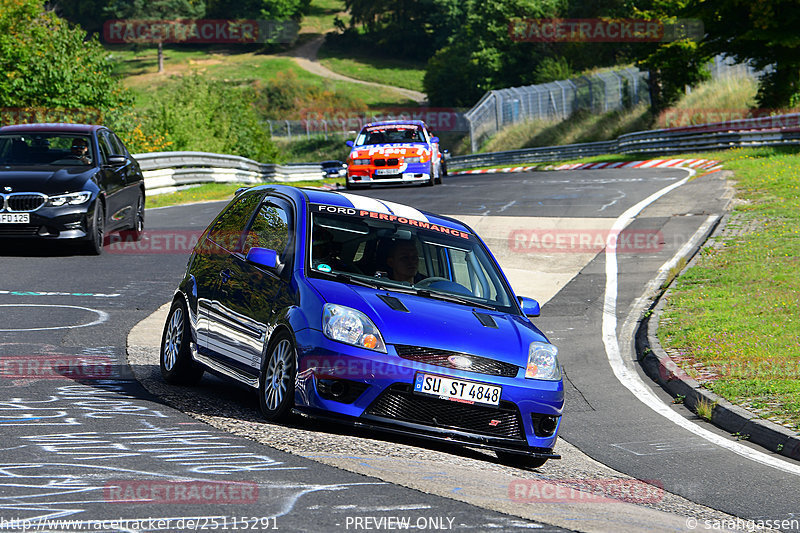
(53, 180)
(437, 324)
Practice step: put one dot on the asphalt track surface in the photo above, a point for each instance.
(69, 442)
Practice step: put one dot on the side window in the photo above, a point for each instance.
(105, 147)
(227, 230)
(270, 228)
(116, 145)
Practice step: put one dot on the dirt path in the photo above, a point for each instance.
(306, 57)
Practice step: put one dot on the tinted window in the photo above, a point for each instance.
(228, 228)
(105, 147)
(26, 149)
(117, 145)
(270, 229)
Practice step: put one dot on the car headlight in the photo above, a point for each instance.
(543, 362)
(413, 160)
(75, 198)
(349, 326)
(361, 161)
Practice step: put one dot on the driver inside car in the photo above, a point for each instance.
(403, 262)
(80, 150)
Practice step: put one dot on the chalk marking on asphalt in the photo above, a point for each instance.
(627, 375)
(46, 293)
(102, 316)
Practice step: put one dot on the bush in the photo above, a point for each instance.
(197, 114)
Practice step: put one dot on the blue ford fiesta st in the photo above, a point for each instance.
(367, 312)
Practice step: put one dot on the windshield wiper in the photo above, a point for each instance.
(452, 298)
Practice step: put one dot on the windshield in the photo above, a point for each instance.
(401, 255)
(390, 134)
(53, 149)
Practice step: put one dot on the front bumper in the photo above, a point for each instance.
(378, 393)
(405, 173)
(65, 222)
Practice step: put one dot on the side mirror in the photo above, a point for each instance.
(262, 257)
(435, 140)
(349, 143)
(117, 160)
(530, 307)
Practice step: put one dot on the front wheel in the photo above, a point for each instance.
(96, 229)
(176, 361)
(138, 219)
(522, 461)
(276, 384)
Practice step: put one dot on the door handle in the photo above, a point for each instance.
(225, 275)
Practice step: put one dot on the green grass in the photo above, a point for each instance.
(582, 126)
(139, 72)
(210, 192)
(737, 311)
(314, 149)
(364, 66)
(321, 14)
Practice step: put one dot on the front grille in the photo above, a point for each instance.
(480, 365)
(393, 162)
(2, 202)
(399, 403)
(379, 162)
(24, 202)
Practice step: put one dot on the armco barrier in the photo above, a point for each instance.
(779, 130)
(166, 171)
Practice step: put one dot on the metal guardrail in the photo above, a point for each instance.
(780, 130)
(167, 171)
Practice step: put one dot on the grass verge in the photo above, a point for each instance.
(736, 312)
(210, 192)
(364, 66)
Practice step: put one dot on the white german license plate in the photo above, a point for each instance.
(15, 218)
(457, 389)
(385, 171)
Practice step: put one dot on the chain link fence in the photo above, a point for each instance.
(605, 91)
(601, 92)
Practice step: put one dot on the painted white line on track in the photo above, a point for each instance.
(57, 293)
(102, 316)
(628, 376)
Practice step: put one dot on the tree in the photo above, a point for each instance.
(83, 13)
(275, 10)
(481, 54)
(45, 63)
(156, 10)
(764, 33)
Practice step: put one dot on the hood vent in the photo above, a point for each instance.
(485, 319)
(394, 303)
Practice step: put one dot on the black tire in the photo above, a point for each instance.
(276, 383)
(522, 461)
(177, 365)
(432, 179)
(137, 226)
(96, 229)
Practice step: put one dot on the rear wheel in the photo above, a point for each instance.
(432, 179)
(524, 461)
(276, 384)
(176, 361)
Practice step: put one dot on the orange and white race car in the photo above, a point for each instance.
(396, 151)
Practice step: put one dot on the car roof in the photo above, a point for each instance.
(51, 127)
(344, 199)
(419, 123)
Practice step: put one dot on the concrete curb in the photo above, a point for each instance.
(736, 420)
